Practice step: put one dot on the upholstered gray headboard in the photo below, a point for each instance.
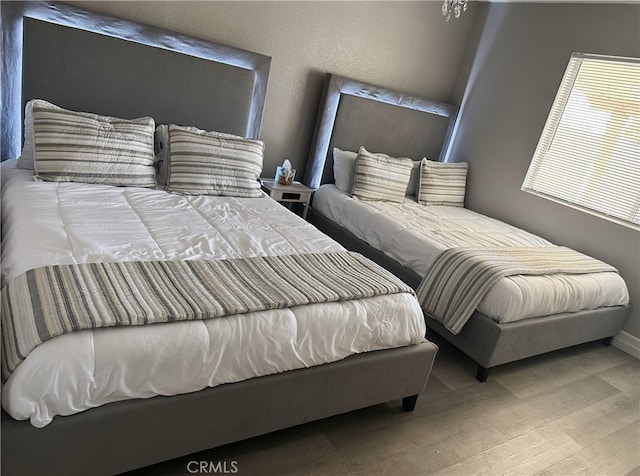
(353, 113)
(85, 61)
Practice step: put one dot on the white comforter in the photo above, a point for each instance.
(63, 223)
(414, 235)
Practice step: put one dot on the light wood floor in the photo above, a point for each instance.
(571, 412)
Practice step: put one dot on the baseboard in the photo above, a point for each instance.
(627, 343)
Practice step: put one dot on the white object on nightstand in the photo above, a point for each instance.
(288, 194)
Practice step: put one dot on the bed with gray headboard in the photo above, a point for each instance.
(354, 114)
(82, 61)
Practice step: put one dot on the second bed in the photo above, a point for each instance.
(520, 316)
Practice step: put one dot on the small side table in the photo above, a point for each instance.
(288, 194)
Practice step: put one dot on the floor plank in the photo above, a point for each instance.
(601, 419)
(618, 453)
(529, 453)
(625, 377)
(558, 368)
(551, 405)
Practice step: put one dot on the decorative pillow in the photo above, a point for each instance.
(442, 183)
(344, 167)
(74, 146)
(213, 163)
(380, 177)
(162, 148)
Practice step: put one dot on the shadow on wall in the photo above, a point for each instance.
(486, 29)
(313, 93)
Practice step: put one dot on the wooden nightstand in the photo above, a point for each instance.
(288, 194)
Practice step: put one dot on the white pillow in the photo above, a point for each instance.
(344, 167)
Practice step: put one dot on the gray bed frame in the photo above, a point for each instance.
(353, 113)
(86, 61)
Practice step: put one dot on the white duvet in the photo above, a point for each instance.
(62, 223)
(414, 235)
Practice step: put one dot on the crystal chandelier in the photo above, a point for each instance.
(455, 6)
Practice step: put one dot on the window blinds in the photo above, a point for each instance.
(588, 156)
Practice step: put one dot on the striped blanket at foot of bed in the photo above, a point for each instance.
(49, 301)
(460, 277)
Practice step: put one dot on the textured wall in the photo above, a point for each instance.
(515, 60)
(401, 45)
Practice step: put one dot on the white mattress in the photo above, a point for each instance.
(62, 223)
(414, 235)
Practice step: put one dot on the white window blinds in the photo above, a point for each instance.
(588, 156)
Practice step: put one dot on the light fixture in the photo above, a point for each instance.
(455, 6)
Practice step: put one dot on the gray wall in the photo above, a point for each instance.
(401, 45)
(513, 65)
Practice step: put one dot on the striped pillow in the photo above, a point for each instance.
(380, 177)
(213, 163)
(74, 146)
(162, 149)
(442, 183)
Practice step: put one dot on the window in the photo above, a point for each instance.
(588, 156)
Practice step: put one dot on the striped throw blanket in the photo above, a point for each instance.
(460, 277)
(45, 302)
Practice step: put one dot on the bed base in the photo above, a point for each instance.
(126, 435)
(485, 341)
(490, 344)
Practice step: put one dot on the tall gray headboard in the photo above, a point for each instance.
(353, 113)
(85, 61)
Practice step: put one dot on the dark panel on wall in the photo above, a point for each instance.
(412, 133)
(81, 70)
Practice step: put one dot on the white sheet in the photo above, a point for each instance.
(414, 235)
(63, 223)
